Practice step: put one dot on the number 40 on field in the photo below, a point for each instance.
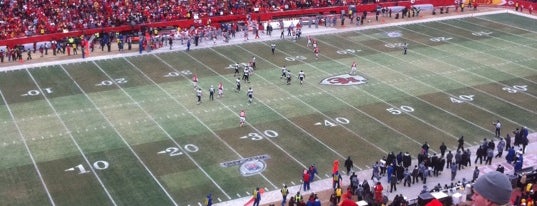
(462, 98)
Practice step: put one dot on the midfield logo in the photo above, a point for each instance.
(344, 80)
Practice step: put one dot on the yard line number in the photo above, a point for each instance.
(177, 74)
(175, 151)
(98, 165)
(482, 33)
(233, 66)
(256, 136)
(35, 92)
(400, 110)
(394, 45)
(440, 39)
(338, 120)
(516, 88)
(295, 58)
(347, 51)
(111, 82)
(462, 98)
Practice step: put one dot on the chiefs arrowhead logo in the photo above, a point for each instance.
(344, 80)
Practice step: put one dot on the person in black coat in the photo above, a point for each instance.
(461, 143)
(407, 160)
(443, 149)
(348, 164)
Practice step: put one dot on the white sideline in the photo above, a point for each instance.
(318, 185)
(308, 31)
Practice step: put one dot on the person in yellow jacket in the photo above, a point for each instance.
(338, 192)
(284, 192)
(257, 197)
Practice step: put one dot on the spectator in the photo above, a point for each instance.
(500, 147)
(378, 194)
(443, 149)
(492, 189)
(348, 164)
(475, 174)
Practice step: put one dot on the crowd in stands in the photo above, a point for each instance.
(393, 169)
(31, 17)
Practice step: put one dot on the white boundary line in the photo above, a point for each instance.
(449, 94)
(284, 117)
(344, 102)
(419, 99)
(120, 135)
(383, 101)
(462, 69)
(462, 28)
(162, 129)
(257, 130)
(73, 139)
(194, 116)
(23, 139)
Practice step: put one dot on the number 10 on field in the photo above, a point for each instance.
(98, 165)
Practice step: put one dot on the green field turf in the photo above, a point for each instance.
(128, 131)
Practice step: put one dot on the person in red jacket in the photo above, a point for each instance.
(306, 180)
(347, 201)
(378, 193)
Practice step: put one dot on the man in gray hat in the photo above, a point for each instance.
(492, 189)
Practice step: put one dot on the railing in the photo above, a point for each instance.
(216, 20)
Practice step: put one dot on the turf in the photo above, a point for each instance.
(128, 131)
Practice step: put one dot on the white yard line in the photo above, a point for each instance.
(419, 99)
(417, 80)
(283, 116)
(73, 139)
(466, 47)
(163, 130)
(344, 102)
(23, 140)
(248, 123)
(121, 136)
(385, 102)
(195, 117)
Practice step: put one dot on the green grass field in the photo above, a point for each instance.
(128, 131)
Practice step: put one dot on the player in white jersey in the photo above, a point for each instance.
(238, 83)
(353, 68)
(250, 94)
(301, 76)
(246, 74)
(211, 93)
(309, 42)
(284, 72)
(253, 62)
(198, 95)
(288, 77)
(236, 67)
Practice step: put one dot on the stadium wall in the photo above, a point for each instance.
(262, 15)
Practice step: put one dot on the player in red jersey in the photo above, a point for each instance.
(242, 118)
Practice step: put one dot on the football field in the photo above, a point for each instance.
(129, 131)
